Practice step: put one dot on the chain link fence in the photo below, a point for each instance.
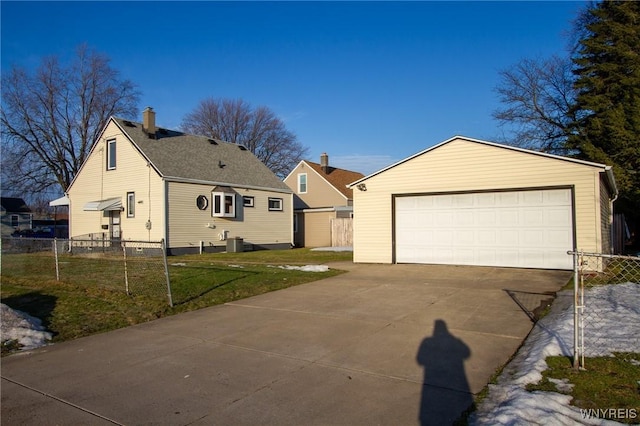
(605, 314)
(138, 268)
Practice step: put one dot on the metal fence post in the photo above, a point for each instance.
(576, 314)
(55, 255)
(126, 275)
(166, 271)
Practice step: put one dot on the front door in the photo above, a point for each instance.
(115, 224)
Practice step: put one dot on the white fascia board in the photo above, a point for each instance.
(497, 145)
(294, 169)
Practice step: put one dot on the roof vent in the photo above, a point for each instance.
(212, 142)
(242, 147)
(128, 123)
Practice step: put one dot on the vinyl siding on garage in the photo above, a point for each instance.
(461, 165)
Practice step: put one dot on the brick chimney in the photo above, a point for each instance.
(149, 121)
(324, 162)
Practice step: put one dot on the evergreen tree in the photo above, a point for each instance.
(607, 108)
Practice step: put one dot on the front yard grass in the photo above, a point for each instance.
(609, 383)
(86, 302)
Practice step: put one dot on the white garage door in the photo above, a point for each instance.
(528, 229)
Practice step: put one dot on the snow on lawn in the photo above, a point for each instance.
(618, 320)
(27, 330)
(305, 268)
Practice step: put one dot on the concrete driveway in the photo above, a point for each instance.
(381, 344)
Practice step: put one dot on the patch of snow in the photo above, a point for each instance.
(235, 266)
(562, 385)
(179, 264)
(305, 268)
(509, 403)
(27, 330)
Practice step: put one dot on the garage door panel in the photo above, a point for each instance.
(517, 228)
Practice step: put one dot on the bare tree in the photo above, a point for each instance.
(538, 98)
(50, 118)
(258, 129)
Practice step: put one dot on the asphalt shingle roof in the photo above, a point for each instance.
(180, 155)
(339, 178)
(14, 205)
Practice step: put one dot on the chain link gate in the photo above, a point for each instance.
(602, 279)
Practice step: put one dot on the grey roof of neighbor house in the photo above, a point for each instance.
(197, 158)
(14, 205)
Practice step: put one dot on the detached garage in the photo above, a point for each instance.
(472, 202)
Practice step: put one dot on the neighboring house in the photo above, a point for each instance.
(144, 183)
(471, 202)
(15, 215)
(321, 194)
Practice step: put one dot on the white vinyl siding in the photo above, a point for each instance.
(465, 166)
(256, 225)
(133, 174)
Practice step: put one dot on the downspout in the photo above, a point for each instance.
(611, 177)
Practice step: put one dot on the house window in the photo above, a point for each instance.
(202, 202)
(275, 204)
(131, 204)
(111, 155)
(295, 223)
(302, 183)
(248, 201)
(15, 220)
(224, 204)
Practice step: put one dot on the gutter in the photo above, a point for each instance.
(234, 185)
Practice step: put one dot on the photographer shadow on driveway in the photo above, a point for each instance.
(445, 389)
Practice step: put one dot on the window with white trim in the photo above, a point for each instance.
(248, 201)
(223, 204)
(302, 183)
(275, 204)
(131, 204)
(111, 154)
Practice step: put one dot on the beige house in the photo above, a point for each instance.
(320, 197)
(145, 183)
(472, 202)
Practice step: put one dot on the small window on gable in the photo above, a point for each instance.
(302, 183)
(131, 204)
(224, 204)
(275, 204)
(111, 154)
(248, 201)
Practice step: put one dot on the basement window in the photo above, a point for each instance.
(223, 205)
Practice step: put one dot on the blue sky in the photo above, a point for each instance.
(369, 83)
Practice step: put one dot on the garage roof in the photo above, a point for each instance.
(605, 168)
